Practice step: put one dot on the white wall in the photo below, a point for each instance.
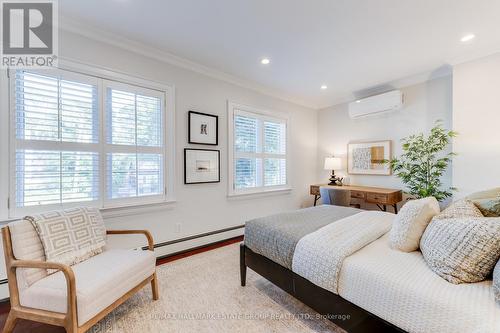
(424, 104)
(204, 207)
(476, 116)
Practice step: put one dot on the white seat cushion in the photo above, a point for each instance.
(400, 288)
(100, 281)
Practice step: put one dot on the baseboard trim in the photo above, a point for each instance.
(180, 240)
(197, 249)
(206, 234)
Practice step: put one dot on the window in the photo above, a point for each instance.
(82, 139)
(134, 142)
(258, 150)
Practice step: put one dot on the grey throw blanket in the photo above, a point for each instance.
(276, 236)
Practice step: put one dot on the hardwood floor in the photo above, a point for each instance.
(24, 326)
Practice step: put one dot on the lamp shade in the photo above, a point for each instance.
(333, 163)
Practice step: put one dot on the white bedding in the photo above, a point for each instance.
(400, 288)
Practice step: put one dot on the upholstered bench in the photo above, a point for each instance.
(78, 296)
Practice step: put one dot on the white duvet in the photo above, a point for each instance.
(400, 288)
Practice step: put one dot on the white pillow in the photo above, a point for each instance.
(409, 225)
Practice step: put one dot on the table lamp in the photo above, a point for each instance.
(332, 163)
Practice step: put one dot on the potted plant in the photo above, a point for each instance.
(423, 162)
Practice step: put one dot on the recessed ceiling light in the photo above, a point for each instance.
(358, 101)
(467, 38)
(265, 61)
(323, 87)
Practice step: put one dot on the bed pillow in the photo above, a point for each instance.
(70, 236)
(460, 208)
(491, 193)
(462, 250)
(487, 201)
(496, 282)
(488, 207)
(410, 223)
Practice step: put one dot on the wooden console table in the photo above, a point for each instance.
(376, 195)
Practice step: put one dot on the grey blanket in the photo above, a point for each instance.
(276, 236)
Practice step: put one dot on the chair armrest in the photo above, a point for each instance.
(65, 269)
(151, 244)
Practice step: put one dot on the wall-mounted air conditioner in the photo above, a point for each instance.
(390, 101)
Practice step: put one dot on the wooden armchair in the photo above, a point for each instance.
(23, 308)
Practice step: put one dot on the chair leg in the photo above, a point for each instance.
(10, 323)
(71, 327)
(154, 287)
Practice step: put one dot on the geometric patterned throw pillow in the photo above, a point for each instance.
(70, 236)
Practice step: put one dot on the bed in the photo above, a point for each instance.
(381, 290)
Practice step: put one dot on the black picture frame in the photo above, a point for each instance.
(185, 165)
(191, 141)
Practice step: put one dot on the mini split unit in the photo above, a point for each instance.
(375, 105)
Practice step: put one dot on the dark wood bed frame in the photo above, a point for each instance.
(323, 301)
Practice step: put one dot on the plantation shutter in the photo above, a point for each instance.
(134, 150)
(56, 129)
(259, 151)
(275, 144)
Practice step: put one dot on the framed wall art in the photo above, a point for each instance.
(368, 158)
(201, 166)
(203, 128)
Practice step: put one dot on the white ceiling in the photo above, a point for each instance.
(349, 45)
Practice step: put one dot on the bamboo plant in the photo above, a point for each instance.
(424, 161)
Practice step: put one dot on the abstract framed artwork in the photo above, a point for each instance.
(203, 128)
(368, 158)
(201, 166)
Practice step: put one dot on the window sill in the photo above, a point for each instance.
(120, 210)
(260, 193)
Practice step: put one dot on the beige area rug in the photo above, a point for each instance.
(202, 293)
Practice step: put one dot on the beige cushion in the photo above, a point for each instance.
(410, 223)
(460, 208)
(496, 282)
(70, 236)
(462, 250)
(488, 207)
(491, 193)
(26, 245)
(100, 281)
(487, 201)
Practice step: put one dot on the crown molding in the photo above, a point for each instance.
(480, 54)
(79, 28)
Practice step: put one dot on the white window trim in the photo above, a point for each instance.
(8, 211)
(271, 115)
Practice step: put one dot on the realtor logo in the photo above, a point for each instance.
(29, 33)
